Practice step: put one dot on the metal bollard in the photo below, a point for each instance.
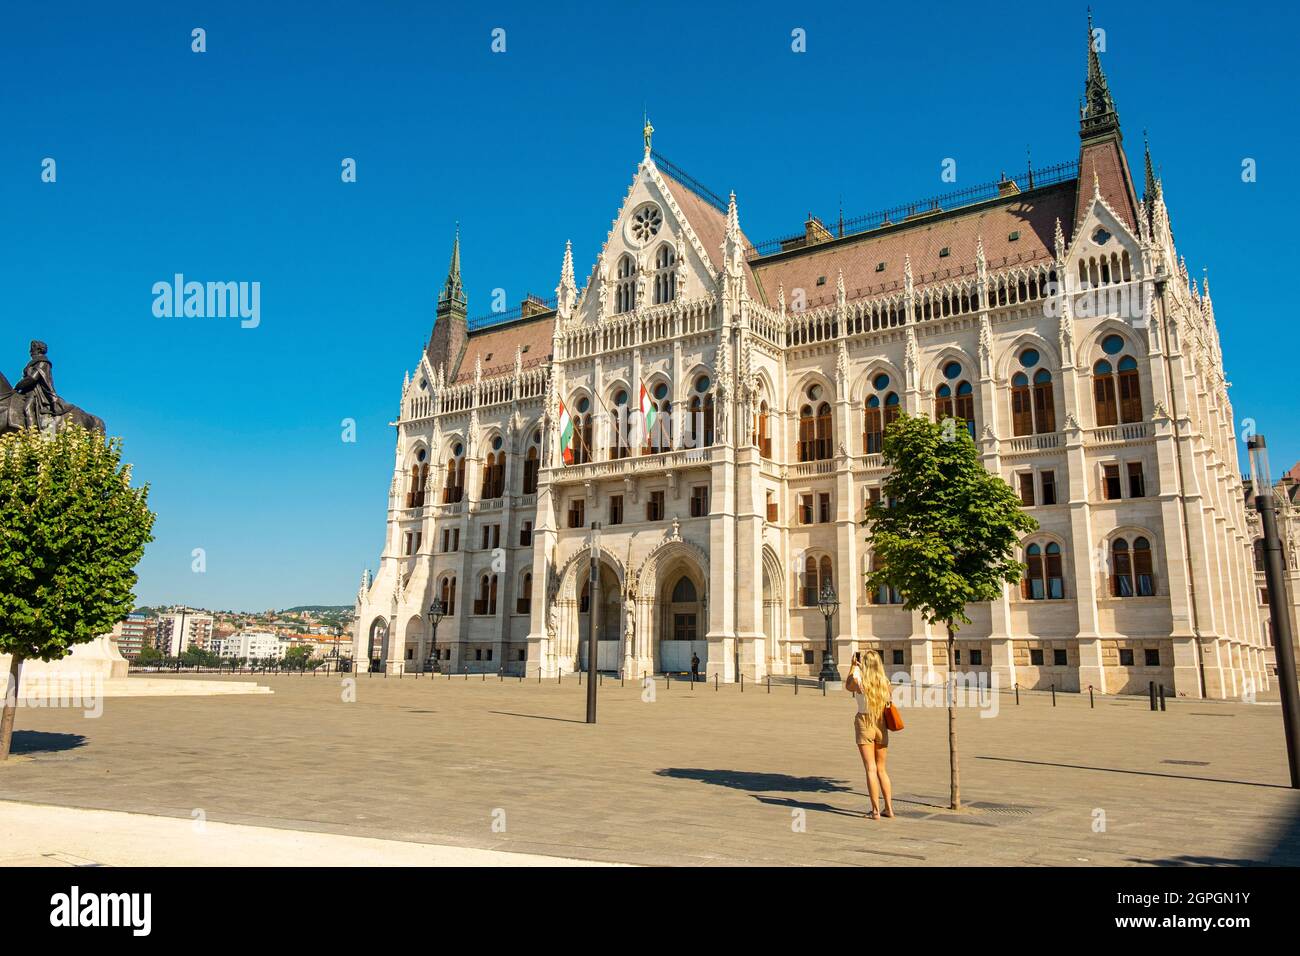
(769, 683)
(796, 685)
(1091, 703)
(1017, 693)
(579, 678)
(715, 683)
(1053, 695)
(742, 682)
(1162, 697)
(823, 683)
(692, 683)
(1151, 690)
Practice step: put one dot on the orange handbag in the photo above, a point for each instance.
(893, 718)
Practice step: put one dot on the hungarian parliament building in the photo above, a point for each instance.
(716, 408)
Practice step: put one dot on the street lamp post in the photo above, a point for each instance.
(436, 613)
(829, 604)
(1278, 604)
(594, 598)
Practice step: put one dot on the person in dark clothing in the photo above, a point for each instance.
(695, 668)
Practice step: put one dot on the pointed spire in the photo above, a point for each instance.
(1098, 114)
(981, 263)
(1059, 241)
(1149, 188)
(733, 245)
(566, 293)
(452, 291)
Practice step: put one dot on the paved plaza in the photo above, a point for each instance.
(696, 776)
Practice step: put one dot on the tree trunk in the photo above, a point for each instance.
(954, 772)
(10, 705)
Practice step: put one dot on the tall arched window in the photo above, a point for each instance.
(486, 603)
(882, 407)
(1033, 406)
(532, 463)
(816, 435)
(883, 594)
(619, 447)
(816, 575)
(419, 477)
(524, 599)
(494, 470)
(762, 435)
(582, 431)
(955, 398)
(1044, 579)
(448, 594)
(660, 437)
(665, 285)
(625, 286)
(1132, 572)
(454, 489)
(701, 426)
(1117, 391)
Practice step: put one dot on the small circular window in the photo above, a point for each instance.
(421, 455)
(620, 398)
(458, 449)
(814, 392)
(880, 381)
(583, 405)
(661, 391)
(537, 438)
(1029, 358)
(702, 383)
(646, 222)
(952, 370)
(1112, 345)
(496, 443)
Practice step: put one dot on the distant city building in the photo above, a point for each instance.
(133, 634)
(182, 629)
(253, 645)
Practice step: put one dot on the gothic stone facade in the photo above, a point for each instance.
(1054, 315)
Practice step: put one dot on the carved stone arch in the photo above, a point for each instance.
(1082, 247)
(862, 386)
(1008, 362)
(573, 571)
(797, 397)
(646, 581)
(1133, 343)
(933, 375)
(774, 571)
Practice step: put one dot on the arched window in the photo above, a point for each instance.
(454, 489)
(702, 414)
(882, 407)
(1130, 391)
(494, 470)
(1033, 405)
(419, 478)
(1116, 390)
(815, 432)
(684, 591)
(1044, 580)
(883, 594)
(486, 602)
(955, 398)
(1103, 393)
(1259, 554)
(524, 599)
(619, 447)
(762, 437)
(665, 285)
(582, 431)
(532, 462)
(660, 436)
(625, 287)
(1132, 573)
(816, 575)
(447, 592)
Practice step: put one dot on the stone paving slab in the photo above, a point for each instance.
(694, 777)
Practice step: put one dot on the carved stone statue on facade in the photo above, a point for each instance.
(33, 402)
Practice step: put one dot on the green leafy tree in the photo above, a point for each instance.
(149, 656)
(72, 530)
(296, 658)
(944, 535)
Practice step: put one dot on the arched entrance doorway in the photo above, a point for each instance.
(417, 650)
(377, 649)
(609, 620)
(773, 612)
(682, 621)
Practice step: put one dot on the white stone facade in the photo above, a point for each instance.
(1058, 317)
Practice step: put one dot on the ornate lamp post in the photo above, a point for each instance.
(591, 611)
(436, 613)
(1279, 611)
(829, 604)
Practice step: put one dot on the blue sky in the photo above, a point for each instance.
(225, 166)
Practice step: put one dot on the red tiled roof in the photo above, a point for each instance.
(708, 222)
(1106, 161)
(496, 346)
(1031, 214)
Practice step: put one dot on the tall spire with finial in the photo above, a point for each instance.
(452, 290)
(1149, 188)
(1098, 115)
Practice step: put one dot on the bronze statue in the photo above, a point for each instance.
(33, 402)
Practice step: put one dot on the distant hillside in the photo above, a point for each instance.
(318, 609)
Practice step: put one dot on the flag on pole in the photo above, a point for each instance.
(566, 434)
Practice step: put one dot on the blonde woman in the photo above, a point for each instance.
(870, 685)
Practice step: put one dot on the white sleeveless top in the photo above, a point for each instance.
(861, 697)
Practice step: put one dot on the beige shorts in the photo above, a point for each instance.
(869, 733)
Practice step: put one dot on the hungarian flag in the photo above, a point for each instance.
(566, 434)
(648, 413)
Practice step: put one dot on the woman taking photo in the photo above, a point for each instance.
(869, 684)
